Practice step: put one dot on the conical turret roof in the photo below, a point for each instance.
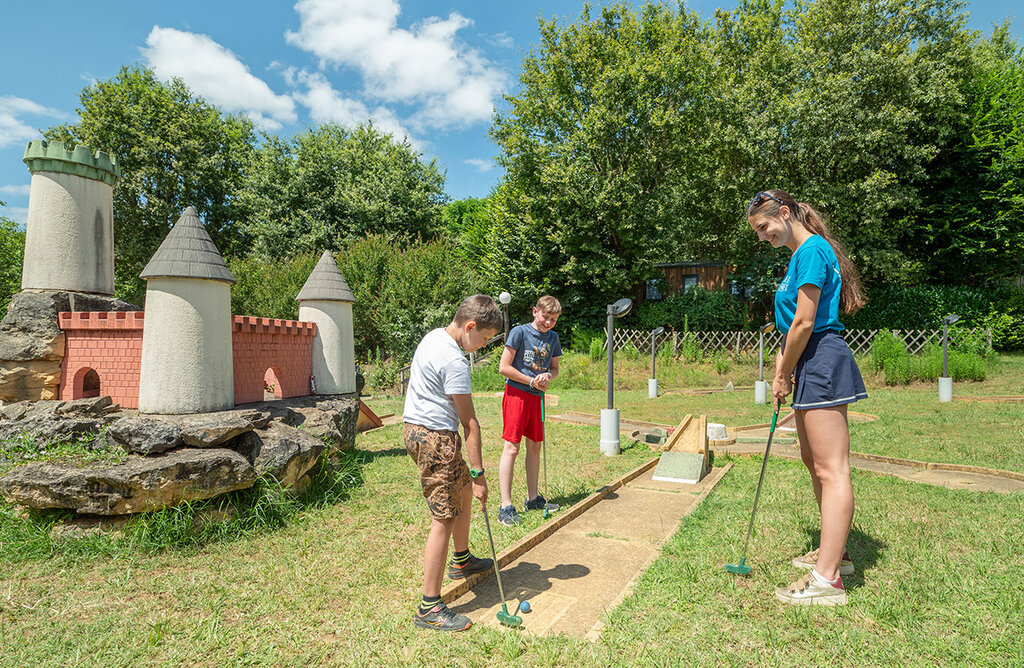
(325, 283)
(188, 252)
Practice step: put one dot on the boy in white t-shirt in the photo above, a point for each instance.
(438, 399)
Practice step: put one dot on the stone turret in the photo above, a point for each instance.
(187, 362)
(69, 238)
(327, 300)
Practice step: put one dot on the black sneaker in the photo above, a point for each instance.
(540, 503)
(473, 565)
(441, 618)
(508, 516)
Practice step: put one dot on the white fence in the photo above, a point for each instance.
(859, 340)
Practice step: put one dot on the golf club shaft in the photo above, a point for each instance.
(544, 450)
(497, 571)
(757, 494)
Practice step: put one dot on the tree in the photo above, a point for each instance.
(12, 249)
(330, 185)
(175, 151)
(973, 227)
(601, 145)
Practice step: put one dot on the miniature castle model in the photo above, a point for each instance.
(186, 353)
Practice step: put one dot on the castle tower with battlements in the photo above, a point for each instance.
(69, 237)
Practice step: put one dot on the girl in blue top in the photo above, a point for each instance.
(816, 365)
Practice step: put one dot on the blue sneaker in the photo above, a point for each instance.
(540, 503)
(508, 516)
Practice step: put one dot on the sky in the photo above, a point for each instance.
(432, 71)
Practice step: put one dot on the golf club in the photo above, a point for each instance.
(503, 615)
(742, 568)
(548, 507)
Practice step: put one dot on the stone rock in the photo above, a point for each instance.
(284, 452)
(29, 380)
(145, 435)
(139, 485)
(15, 411)
(95, 406)
(729, 387)
(208, 430)
(45, 408)
(47, 427)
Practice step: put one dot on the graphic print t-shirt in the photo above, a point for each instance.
(533, 353)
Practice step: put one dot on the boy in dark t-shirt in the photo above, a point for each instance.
(529, 364)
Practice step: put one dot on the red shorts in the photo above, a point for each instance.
(520, 411)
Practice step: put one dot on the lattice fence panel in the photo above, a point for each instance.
(859, 340)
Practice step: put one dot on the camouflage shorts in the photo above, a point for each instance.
(443, 471)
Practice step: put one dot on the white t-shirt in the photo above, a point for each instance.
(438, 371)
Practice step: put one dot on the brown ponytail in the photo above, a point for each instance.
(851, 296)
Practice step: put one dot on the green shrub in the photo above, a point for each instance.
(486, 377)
(577, 371)
(886, 346)
(696, 308)
(630, 352)
(897, 370)
(721, 362)
(581, 339)
(267, 288)
(967, 366)
(12, 245)
(690, 350)
(596, 351)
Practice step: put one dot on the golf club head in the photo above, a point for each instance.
(740, 568)
(508, 619)
(547, 513)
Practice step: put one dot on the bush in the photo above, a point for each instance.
(630, 352)
(695, 308)
(886, 346)
(486, 377)
(267, 288)
(576, 370)
(581, 339)
(596, 351)
(897, 370)
(690, 350)
(721, 362)
(12, 245)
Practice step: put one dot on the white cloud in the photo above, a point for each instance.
(327, 105)
(502, 40)
(15, 190)
(481, 165)
(13, 128)
(19, 214)
(455, 84)
(218, 75)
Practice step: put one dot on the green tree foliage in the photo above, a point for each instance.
(638, 136)
(973, 227)
(696, 308)
(597, 145)
(469, 222)
(12, 249)
(175, 151)
(401, 292)
(329, 185)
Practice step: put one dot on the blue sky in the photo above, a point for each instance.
(432, 70)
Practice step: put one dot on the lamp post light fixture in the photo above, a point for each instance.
(761, 387)
(652, 383)
(945, 382)
(505, 298)
(610, 415)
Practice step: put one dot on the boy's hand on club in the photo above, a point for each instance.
(480, 490)
(543, 381)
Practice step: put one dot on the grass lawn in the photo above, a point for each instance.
(937, 583)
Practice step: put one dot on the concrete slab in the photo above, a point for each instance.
(589, 565)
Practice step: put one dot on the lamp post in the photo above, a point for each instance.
(761, 387)
(945, 382)
(610, 415)
(505, 298)
(652, 383)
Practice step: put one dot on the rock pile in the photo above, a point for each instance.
(172, 459)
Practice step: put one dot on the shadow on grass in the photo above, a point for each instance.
(865, 551)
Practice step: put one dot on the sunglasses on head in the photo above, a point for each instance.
(761, 196)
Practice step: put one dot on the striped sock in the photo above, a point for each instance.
(461, 558)
(428, 603)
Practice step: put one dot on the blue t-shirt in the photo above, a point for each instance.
(533, 353)
(813, 263)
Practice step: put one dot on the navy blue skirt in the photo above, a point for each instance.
(826, 374)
